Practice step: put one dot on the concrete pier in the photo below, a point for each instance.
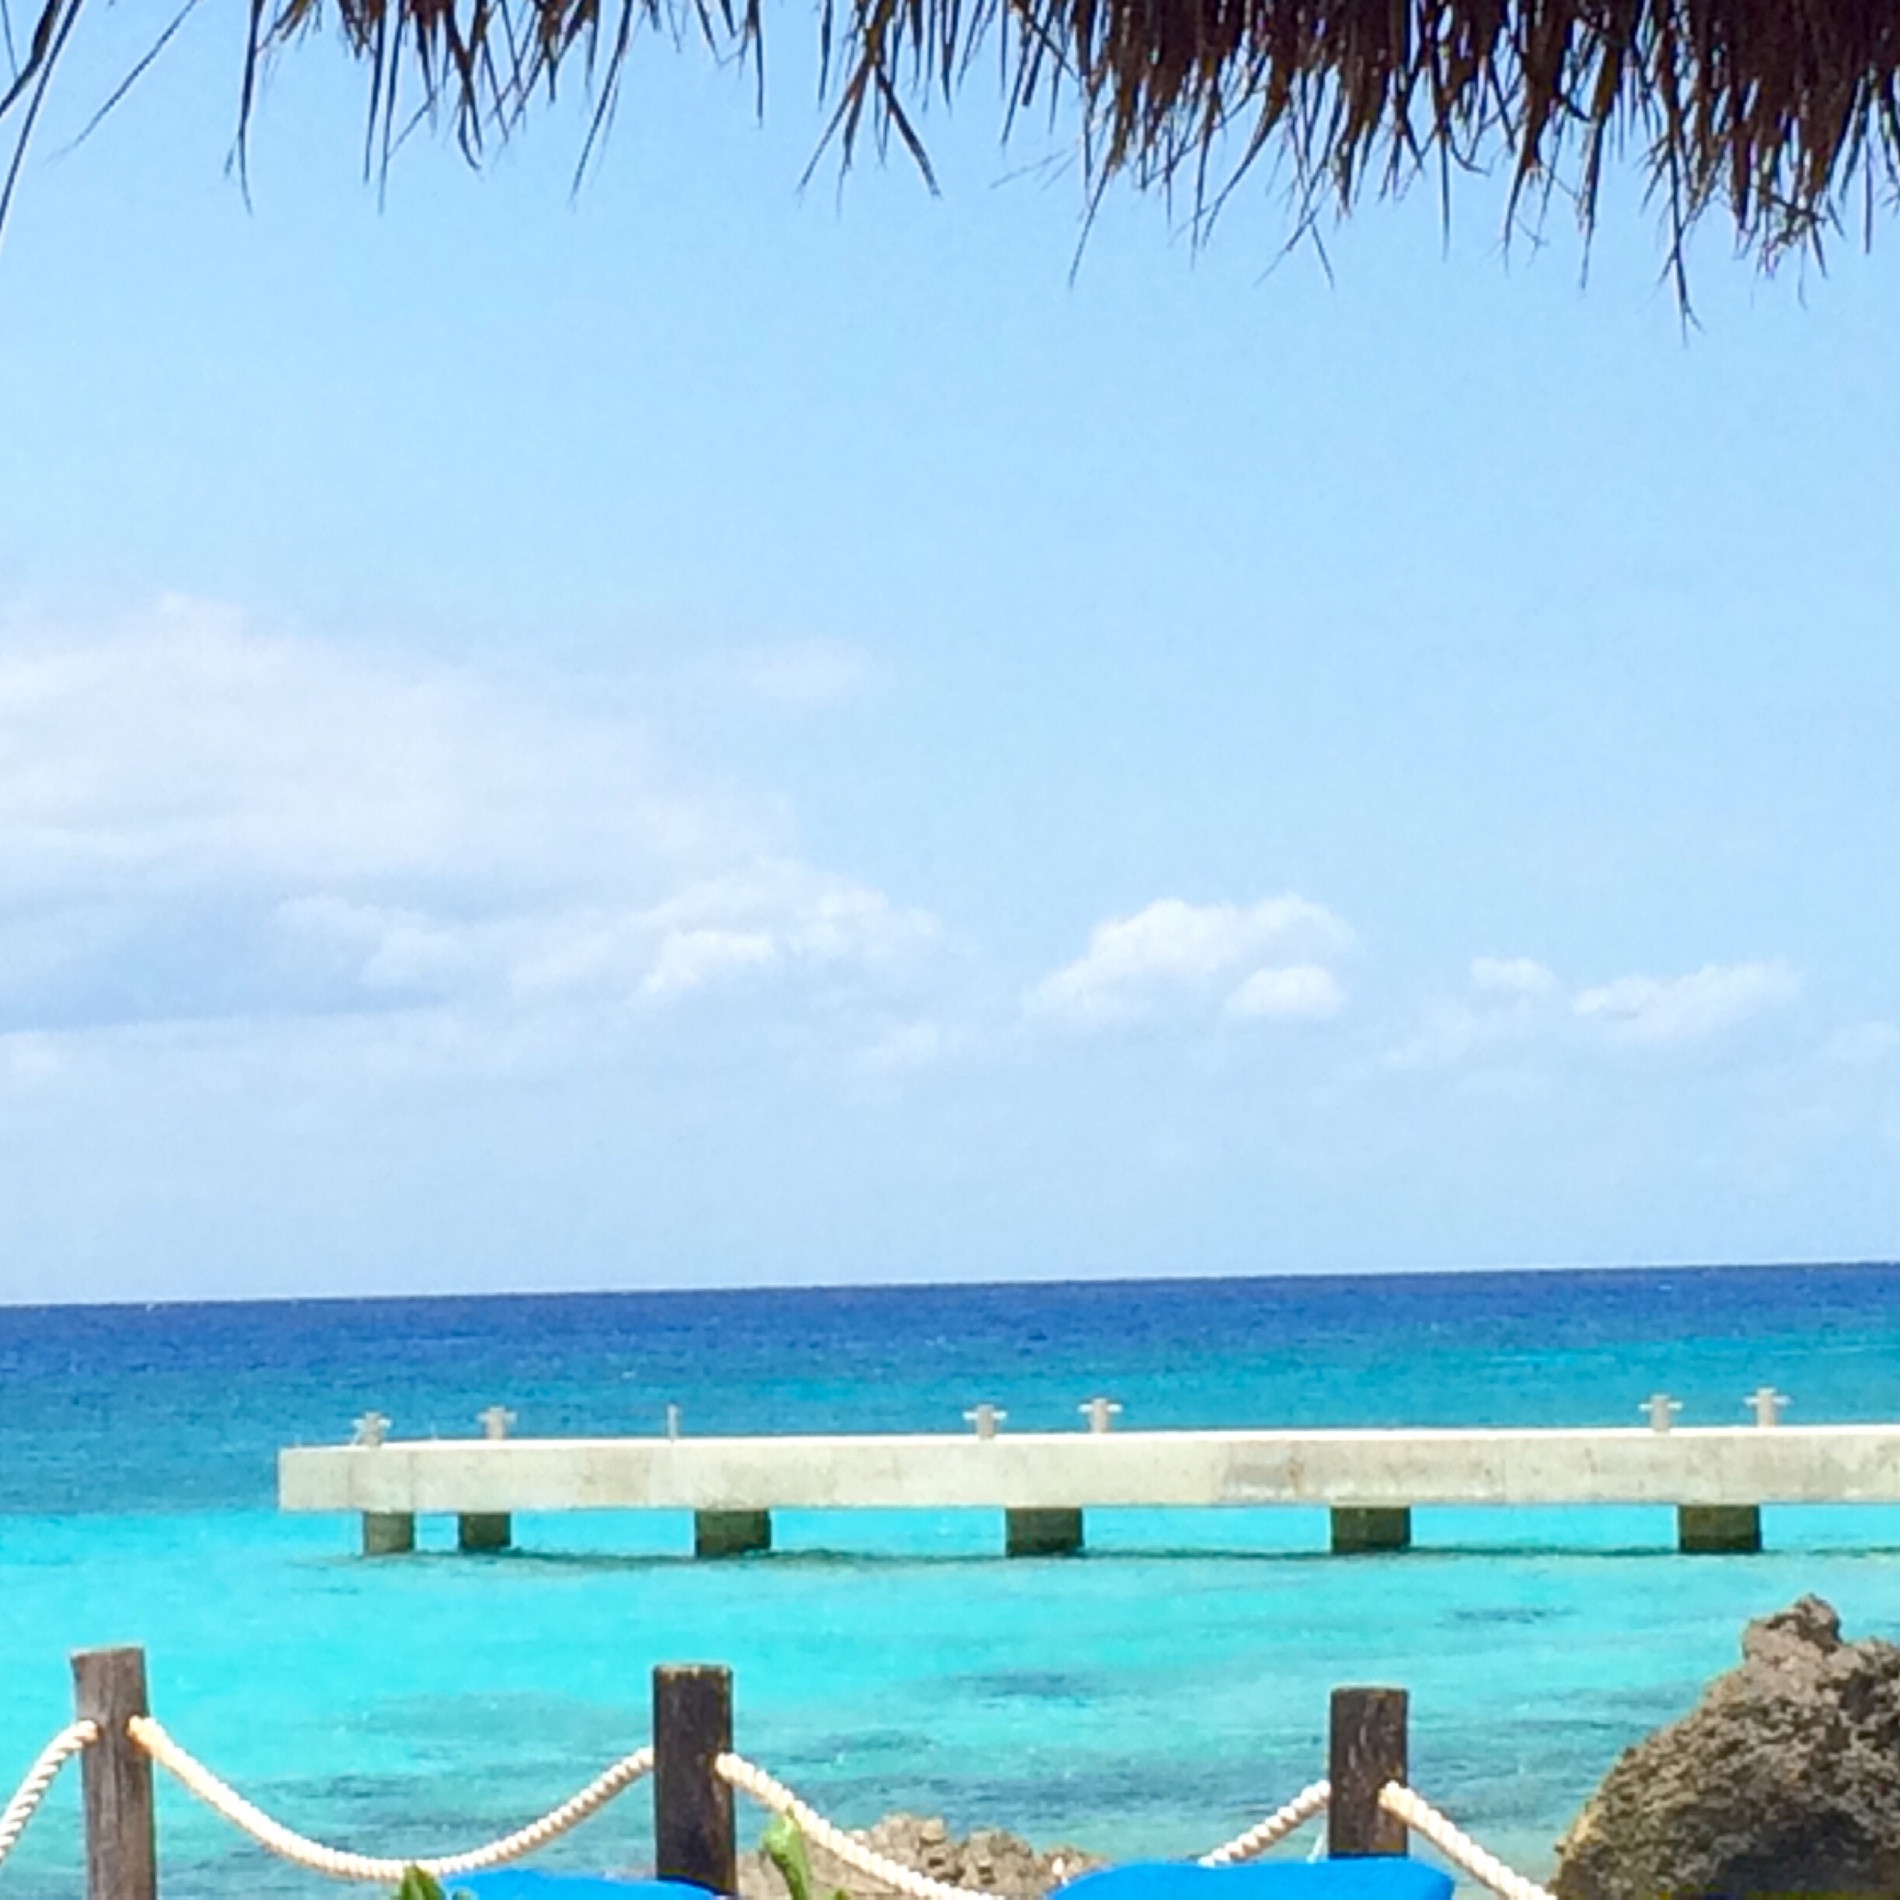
(1716, 1478)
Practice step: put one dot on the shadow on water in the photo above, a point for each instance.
(818, 1560)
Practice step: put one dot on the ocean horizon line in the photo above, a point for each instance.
(1412, 1276)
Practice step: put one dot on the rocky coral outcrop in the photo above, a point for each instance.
(987, 1858)
(1784, 1779)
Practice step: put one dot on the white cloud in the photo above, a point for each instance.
(199, 822)
(1174, 951)
(389, 949)
(804, 676)
(1506, 1000)
(1301, 990)
(191, 750)
(906, 1047)
(1512, 1001)
(781, 915)
(1863, 1045)
(690, 959)
(26, 1060)
(1511, 977)
(1658, 1010)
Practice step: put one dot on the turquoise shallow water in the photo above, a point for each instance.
(1151, 1697)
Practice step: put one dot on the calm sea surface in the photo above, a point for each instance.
(1151, 1697)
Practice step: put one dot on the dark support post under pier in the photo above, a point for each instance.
(1703, 1528)
(388, 1533)
(731, 1533)
(121, 1834)
(1365, 1527)
(1366, 1748)
(692, 1807)
(483, 1530)
(1046, 1533)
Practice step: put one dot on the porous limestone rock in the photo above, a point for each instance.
(1785, 1778)
(987, 1858)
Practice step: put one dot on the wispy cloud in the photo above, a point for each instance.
(1506, 1000)
(1268, 959)
(904, 1048)
(1513, 1000)
(801, 676)
(27, 1059)
(1298, 991)
(201, 821)
(1512, 978)
(1864, 1045)
(1692, 1008)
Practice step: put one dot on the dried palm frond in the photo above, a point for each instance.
(1779, 113)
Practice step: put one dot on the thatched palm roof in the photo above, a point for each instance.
(1778, 115)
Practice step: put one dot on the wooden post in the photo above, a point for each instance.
(692, 1807)
(1366, 1750)
(121, 1835)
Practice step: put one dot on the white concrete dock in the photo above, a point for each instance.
(1717, 1477)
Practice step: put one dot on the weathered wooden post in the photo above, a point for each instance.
(692, 1807)
(1366, 1749)
(121, 1835)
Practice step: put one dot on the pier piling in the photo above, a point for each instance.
(121, 1832)
(388, 1533)
(484, 1530)
(731, 1533)
(1359, 1528)
(1705, 1529)
(1366, 1748)
(1048, 1533)
(693, 1836)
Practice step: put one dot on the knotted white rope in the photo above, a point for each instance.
(1276, 1827)
(339, 1864)
(74, 1737)
(1458, 1847)
(750, 1779)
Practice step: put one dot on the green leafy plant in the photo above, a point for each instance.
(783, 1844)
(416, 1884)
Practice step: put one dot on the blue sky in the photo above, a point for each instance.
(696, 733)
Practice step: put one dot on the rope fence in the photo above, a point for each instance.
(1274, 1829)
(40, 1777)
(1457, 1846)
(340, 1864)
(750, 1779)
(692, 1800)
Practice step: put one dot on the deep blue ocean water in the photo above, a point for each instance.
(1150, 1697)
